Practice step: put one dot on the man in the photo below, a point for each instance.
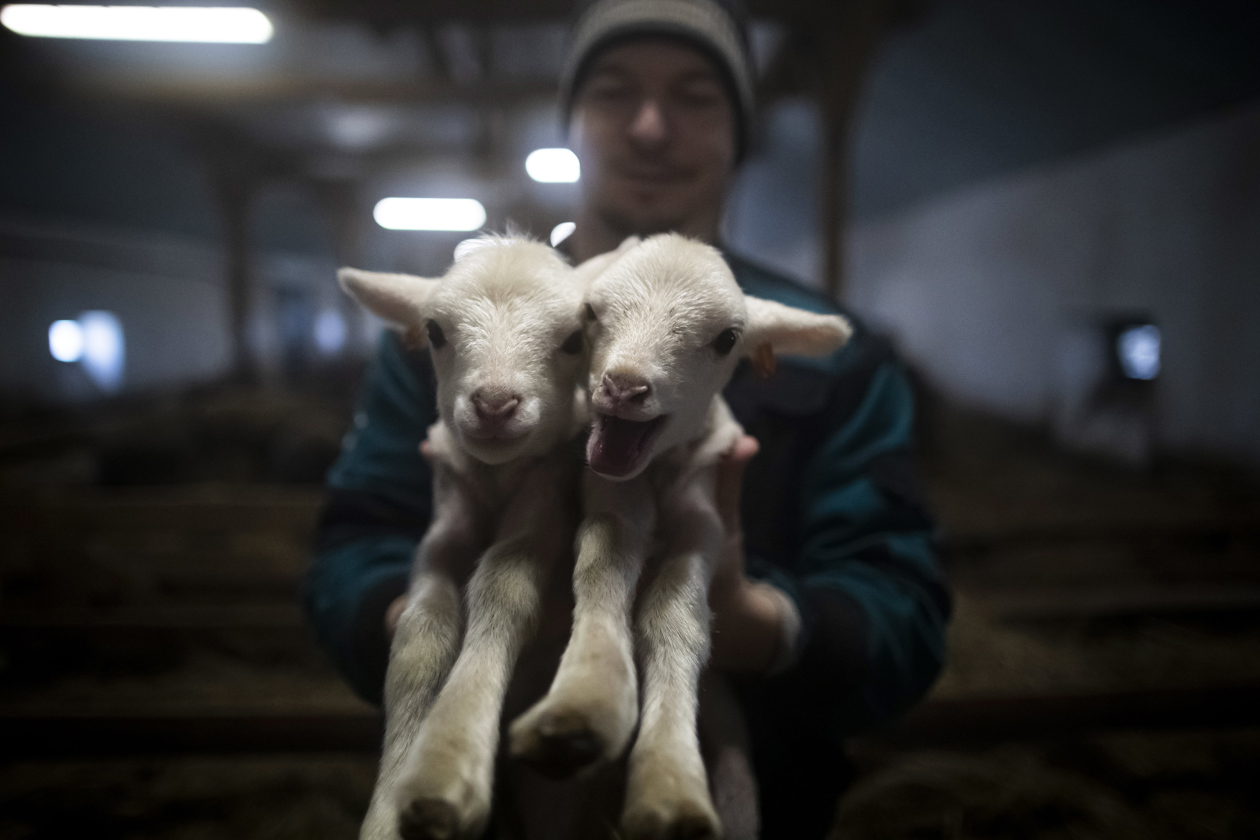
(828, 606)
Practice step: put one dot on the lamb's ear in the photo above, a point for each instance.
(585, 273)
(399, 299)
(773, 328)
(469, 246)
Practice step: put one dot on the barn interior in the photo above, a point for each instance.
(1052, 207)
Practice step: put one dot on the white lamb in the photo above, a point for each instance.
(667, 324)
(504, 329)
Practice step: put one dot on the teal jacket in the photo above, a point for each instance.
(830, 509)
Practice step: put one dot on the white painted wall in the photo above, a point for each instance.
(982, 286)
(167, 291)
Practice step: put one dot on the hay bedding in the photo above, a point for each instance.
(1134, 785)
(1140, 786)
(271, 798)
(1152, 786)
(989, 657)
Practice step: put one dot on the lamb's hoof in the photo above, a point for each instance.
(429, 819)
(671, 821)
(556, 744)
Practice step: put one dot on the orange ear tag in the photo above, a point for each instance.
(413, 338)
(763, 360)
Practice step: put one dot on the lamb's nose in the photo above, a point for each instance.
(495, 406)
(626, 389)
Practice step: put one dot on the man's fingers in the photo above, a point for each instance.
(730, 475)
(392, 614)
(744, 449)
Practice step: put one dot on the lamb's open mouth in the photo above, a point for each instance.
(617, 445)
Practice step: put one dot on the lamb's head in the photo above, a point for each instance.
(668, 324)
(504, 329)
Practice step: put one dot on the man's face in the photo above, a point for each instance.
(654, 130)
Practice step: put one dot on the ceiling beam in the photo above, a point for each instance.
(263, 90)
(403, 12)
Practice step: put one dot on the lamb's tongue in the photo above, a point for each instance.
(615, 444)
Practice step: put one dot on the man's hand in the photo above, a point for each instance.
(392, 612)
(747, 615)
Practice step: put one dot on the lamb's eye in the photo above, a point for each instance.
(725, 342)
(573, 344)
(437, 338)
(589, 312)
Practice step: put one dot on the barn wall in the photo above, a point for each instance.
(984, 287)
(165, 290)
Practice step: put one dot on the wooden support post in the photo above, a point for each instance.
(847, 37)
(236, 171)
(341, 202)
(236, 197)
(834, 199)
(440, 63)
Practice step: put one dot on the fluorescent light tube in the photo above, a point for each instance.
(140, 23)
(429, 213)
(553, 166)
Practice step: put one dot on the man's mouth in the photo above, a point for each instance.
(616, 445)
(660, 176)
(653, 173)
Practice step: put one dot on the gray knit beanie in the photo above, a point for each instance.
(716, 27)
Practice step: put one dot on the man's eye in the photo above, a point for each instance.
(700, 100)
(725, 342)
(700, 96)
(573, 344)
(437, 338)
(608, 93)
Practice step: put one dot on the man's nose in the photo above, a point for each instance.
(648, 125)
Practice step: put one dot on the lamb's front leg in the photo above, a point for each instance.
(667, 793)
(590, 711)
(446, 786)
(426, 639)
